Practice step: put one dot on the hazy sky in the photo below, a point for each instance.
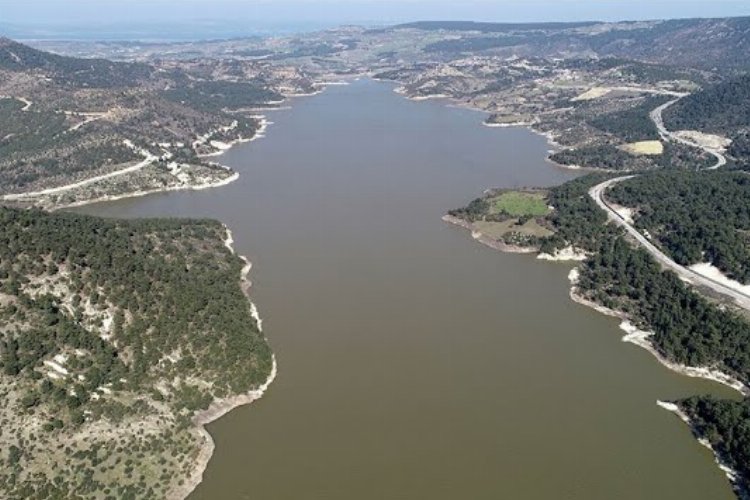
(36, 13)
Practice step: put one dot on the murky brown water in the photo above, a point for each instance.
(415, 363)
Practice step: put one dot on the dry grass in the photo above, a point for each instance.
(647, 148)
(591, 94)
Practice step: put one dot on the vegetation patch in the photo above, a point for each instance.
(516, 218)
(520, 204)
(498, 230)
(648, 148)
(220, 95)
(600, 156)
(633, 124)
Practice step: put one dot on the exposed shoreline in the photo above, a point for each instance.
(548, 135)
(528, 125)
(321, 86)
(220, 147)
(729, 472)
(218, 409)
(642, 339)
(139, 194)
(635, 337)
(507, 124)
(632, 334)
(487, 241)
(221, 407)
(223, 147)
(566, 254)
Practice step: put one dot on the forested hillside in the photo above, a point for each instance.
(740, 149)
(67, 119)
(216, 96)
(696, 216)
(633, 124)
(723, 108)
(116, 326)
(70, 71)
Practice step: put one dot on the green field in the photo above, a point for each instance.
(519, 204)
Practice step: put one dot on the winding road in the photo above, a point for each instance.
(148, 160)
(656, 117)
(597, 193)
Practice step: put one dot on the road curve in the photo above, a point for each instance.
(148, 160)
(597, 193)
(688, 275)
(656, 117)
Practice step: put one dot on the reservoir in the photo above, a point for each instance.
(415, 363)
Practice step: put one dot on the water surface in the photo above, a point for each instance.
(415, 363)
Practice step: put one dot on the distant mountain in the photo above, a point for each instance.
(706, 43)
(716, 44)
(491, 27)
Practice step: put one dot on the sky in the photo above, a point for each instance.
(301, 15)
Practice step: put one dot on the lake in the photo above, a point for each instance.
(415, 363)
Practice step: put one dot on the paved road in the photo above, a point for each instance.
(597, 193)
(656, 117)
(149, 159)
